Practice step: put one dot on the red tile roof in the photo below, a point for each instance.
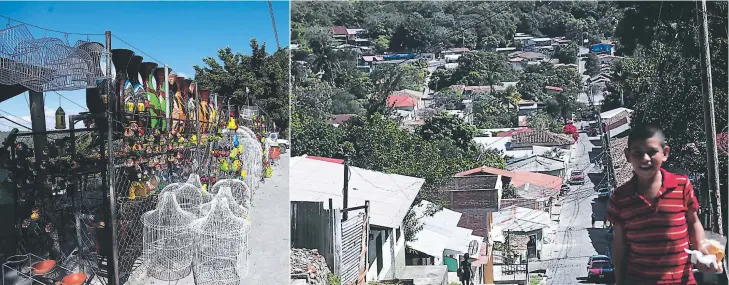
(327, 159)
(554, 88)
(519, 178)
(541, 138)
(340, 119)
(401, 101)
(340, 30)
(512, 132)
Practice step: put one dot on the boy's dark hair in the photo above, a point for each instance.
(643, 132)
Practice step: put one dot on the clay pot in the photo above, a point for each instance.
(76, 278)
(43, 267)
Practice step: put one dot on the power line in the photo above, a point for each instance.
(273, 22)
(136, 48)
(64, 97)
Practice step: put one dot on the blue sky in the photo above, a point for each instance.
(179, 34)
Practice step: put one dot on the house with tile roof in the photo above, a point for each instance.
(527, 140)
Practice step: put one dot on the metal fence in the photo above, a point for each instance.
(312, 227)
(343, 244)
(354, 249)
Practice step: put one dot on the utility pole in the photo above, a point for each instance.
(345, 189)
(603, 136)
(709, 120)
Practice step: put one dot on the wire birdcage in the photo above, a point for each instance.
(238, 210)
(188, 196)
(168, 240)
(96, 52)
(239, 191)
(194, 180)
(222, 255)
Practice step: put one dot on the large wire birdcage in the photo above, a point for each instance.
(239, 191)
(47, 64)
(188, 196)
(226, 192)
(222, 255)
(168, 240)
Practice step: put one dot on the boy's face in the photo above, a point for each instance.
(647, 156)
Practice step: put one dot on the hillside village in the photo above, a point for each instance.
(420, 154)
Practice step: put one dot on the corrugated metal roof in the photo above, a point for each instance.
(390, 195)
(518, 219)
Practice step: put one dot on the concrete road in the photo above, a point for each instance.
(565, 260)
(270, 238)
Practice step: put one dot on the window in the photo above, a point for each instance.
(398, 232)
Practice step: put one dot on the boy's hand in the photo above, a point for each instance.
(710, 268)
(716, 267)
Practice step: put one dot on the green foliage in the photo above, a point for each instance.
(567, 54)
(382, 43)
(334, 279)
(434, 25)
(542, 121)
(509, 192)
(592, 64)
(264, 75)
(482, 68)
(445, 127)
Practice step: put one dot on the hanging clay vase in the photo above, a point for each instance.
(60, 119)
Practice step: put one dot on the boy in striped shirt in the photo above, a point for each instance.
(654, 217)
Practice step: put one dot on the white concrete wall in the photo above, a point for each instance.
(393, 256)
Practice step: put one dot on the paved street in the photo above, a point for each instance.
(271, 238)
(565, 260)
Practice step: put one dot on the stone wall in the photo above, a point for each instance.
(307, 265)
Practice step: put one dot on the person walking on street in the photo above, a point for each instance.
(592, 225)
(465, 269)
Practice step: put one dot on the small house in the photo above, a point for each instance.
(602, 48)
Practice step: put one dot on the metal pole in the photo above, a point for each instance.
(114, 264)
(345, 189)
(197, 114)
(169, 98)
(711, 152)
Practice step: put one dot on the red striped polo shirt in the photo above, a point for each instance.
(656, 234)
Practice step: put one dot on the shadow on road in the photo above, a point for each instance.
(596, 178)
(594, 153)
(598, 236)
(583, 280)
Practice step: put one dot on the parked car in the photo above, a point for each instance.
(600, 270)
(603, 193)
(597, 258)
(577, 177)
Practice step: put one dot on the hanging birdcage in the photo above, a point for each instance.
(168, 240)
(222, 254)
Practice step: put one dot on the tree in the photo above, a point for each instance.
(592, 65)
(315, 137)
(260, 78)
(567, 54)
(440, 78)
(482, 68)
(382, 43)
(542, 121)
(446, 127)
